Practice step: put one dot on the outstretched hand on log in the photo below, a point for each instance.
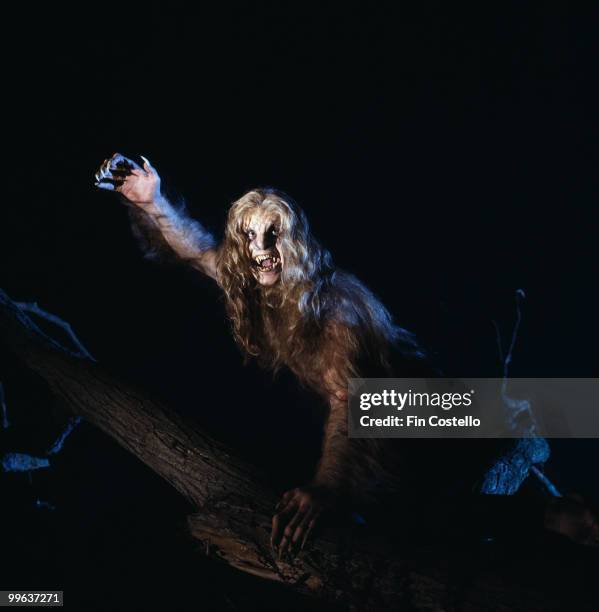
(140, 186)
(296, 516)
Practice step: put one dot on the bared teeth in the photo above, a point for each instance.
(260, 258)
(274, 262)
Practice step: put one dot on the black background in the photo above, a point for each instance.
(444, 154)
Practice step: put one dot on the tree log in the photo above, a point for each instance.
(234, 502)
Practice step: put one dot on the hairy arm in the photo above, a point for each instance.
(163, 230)
(160, 227)
(349, 468)
(334, 468)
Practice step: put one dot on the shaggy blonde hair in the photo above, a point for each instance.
(315, 317)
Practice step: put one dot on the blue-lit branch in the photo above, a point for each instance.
(525, 455)
(23, 462)
(33, 308)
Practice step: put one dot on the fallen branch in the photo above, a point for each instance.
(233, 501)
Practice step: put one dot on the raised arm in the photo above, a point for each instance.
(157, 224)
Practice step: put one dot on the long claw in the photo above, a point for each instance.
(283, 547)
(280, 519)
(301, 528)
(107, 186)
(276, 529)
(307, 534)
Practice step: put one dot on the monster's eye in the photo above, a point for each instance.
(251, 234)
(274, 231)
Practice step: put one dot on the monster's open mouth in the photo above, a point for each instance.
(267, 263)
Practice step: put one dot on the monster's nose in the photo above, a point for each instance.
(265, 241)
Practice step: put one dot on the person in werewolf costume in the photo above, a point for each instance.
(289, 306)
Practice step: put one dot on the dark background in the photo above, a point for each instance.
(444, 154)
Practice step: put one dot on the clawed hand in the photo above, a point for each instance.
(141, 186)
(296, 516)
